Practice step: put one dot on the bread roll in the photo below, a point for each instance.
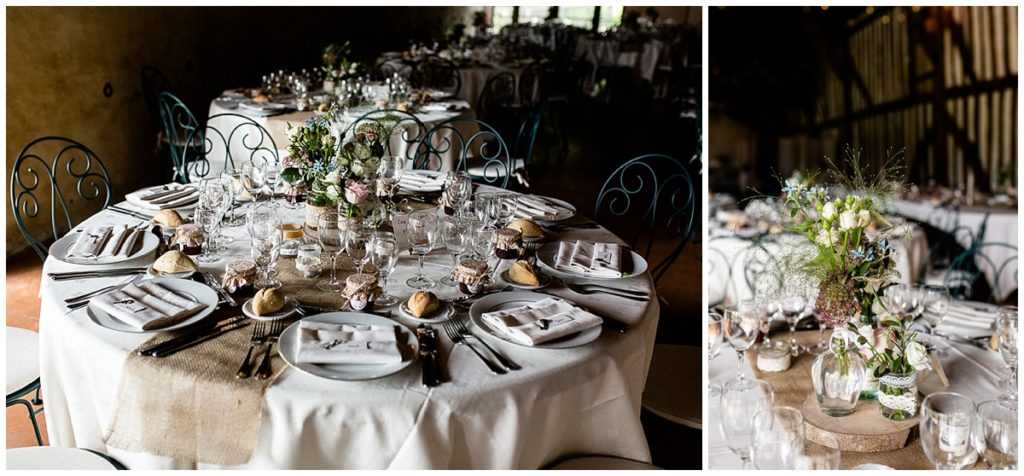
(267, 301)
(423, 303)
(174, 262)
(528, 228)
(522, 272)
(168, 219)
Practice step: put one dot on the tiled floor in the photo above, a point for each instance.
(596, 147)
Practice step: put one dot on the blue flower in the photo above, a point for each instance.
(885, 246)
(858, 253)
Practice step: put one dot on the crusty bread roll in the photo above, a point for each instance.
(423, 303)
(174, 262)
(267, 301)
(168, 219)
(522, 272)
(528, 228)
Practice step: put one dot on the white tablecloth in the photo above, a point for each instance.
(577, 401)
(732, 260)
(1000, 229)
(608, 52)
(972, 372)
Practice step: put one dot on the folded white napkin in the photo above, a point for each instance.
(147, 306)
(172, 195)
(541, 321)
(531, 207)
(121, 242)
(325, 343)
(973, 315)
(420, 182)
(90, 243)
(601, 260)
(440, 106)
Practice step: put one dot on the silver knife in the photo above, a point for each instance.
(213, 283)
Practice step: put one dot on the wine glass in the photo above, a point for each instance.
(715, 339)
(272, 176)
(995, 434)
(253, 180)
(265, 252)
(213, 194)
(459, 187)
(793, 310)
(936, 300)
(771, 309)
(384, 256)
(821, 346)
(453, 234)
(332, 240)
(1006, 329)
(357, 247)
(390, 172)
(233, 181)
(505, 204)
(903, 300)
(483, 204)
(422, 231)
(208, 217)
(947, 420)
(778, 438)
(293, 196)
(261, 221)
(826, 457)
(741, 400)
(741, 331)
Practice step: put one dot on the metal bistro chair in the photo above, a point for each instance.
(246, 140)
(484, 145)
(23, 373)
(441, 74)
(656, 193)
(411, 130)
(497, 101)
(75, 172)
(179, 127)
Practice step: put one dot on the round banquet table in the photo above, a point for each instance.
(584, 400)
(972, 371)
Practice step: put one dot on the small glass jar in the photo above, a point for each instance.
(291, 239)
(308, 260)
(897, 395)
(774, 358)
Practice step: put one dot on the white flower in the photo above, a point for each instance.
(333, 176)
(823, 238)
(828, 212)
(917, 356)
(332, 191)
(863, 218)
(847, 220)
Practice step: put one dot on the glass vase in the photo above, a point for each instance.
(870, 389)
(897, 395)
(838, 375)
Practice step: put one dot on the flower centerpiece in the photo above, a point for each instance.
(897, 356)
(336, 178)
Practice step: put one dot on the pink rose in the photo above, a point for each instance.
(356, 192)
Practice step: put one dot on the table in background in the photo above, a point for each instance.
(584, 400)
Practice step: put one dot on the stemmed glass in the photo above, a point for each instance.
(272, 176)
(793, 310)
(265, 252)
(778, 438)
(214, 194)
(384, 256)
(741, 401)
(459, 187)
(253, 180)
(1006, 329)
(504, 205)
(263, 225)
(208, 216)
(947, 420)
(935, 301)
(483, 208)
(995, 434)
(332, 240)
(390, 172)
(715, 339)
(903, 300)
(741, 331)
(453, 234)
(357, 247)
(233, 180)
(422, 231)
(822, 346)
(771, 309)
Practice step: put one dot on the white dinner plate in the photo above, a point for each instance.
(145, 247)
(288, 348)
(569, 212)
(290, 306)
(441, 314)
(632, 263)
(160, 274)
(544, 279)
(185, 288)
(508, 300)
(409, 186)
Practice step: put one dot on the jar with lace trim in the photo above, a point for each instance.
(897, 395)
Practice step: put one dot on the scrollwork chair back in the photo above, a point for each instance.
(75, 173)
(441, 74)
(242, 140)
(467, 138)
(656, 193)
(180, 126)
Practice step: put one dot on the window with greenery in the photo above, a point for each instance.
(581, 17)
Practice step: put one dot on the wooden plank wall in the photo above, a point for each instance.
(971, 103)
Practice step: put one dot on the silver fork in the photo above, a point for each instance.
(276, 328)
(453, 334)
(259, 336)
(460, 326)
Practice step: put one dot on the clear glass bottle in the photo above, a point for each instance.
(838, 375)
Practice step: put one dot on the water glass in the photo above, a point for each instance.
(1006, 329)
(995, 434)
(778, 438)
(357, 247)
(715, 334)
(384, 256)
(308, 261)
(272, 176)
(793, 310)
(741, 331)
(265, 253)
(947, 420)
(253, 180)
(232, 179)
(422, 233)
(262, 222)
(936, 301)
(209, 219)
(741, 400)
(453, 234)
(504, 205)
(331, 237)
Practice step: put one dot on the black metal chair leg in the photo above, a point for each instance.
(38, 400)
(31, 417)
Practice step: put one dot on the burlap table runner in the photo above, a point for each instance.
(189, 405)
(304, 290)
(794, 385)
